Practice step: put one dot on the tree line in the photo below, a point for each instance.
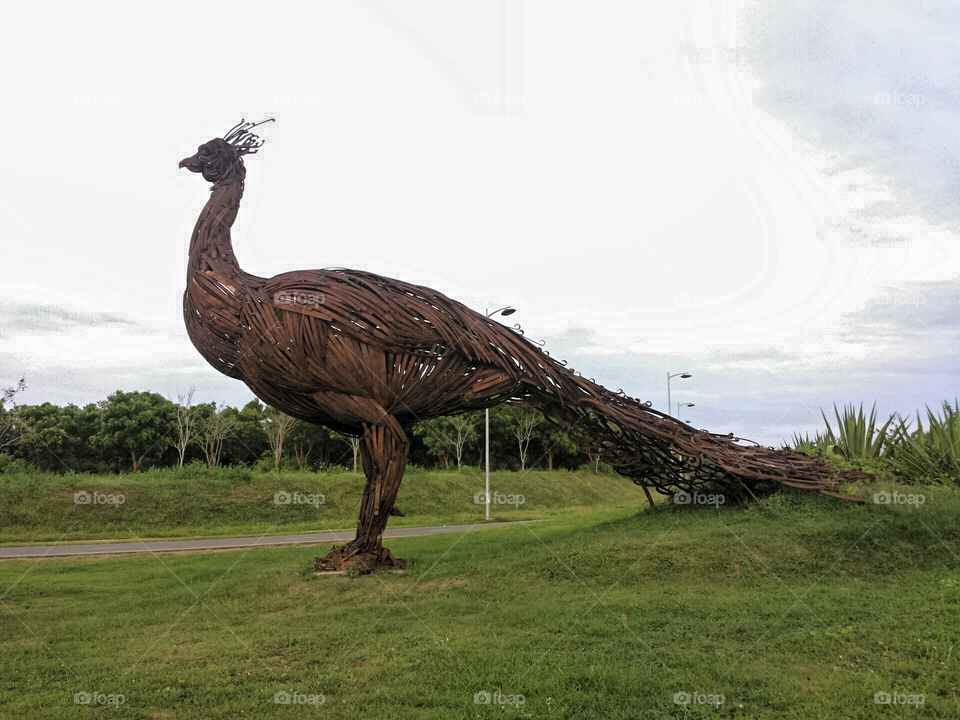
(132, 431)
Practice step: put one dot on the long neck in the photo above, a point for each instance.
(211, 250)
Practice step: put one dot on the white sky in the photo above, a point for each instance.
(649, 203)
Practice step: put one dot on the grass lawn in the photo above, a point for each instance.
(164, 506)
(805, 608)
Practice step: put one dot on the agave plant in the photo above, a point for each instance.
(823, 444)
(858, 437)
(932, 452)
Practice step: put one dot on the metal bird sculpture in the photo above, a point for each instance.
(367, 355)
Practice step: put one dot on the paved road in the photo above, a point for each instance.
(113, 548)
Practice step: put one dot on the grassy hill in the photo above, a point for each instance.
(171, 505)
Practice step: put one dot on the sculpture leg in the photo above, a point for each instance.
(649, 499)
(383, 449)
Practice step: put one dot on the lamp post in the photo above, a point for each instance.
(680, 405)
(681, 375)
(486, 451)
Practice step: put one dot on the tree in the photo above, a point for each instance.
(277, 425)
(444, 435)
(354, 443)
(464, 430)
(303, 442)
(524, 423)
(86, 425)
(556, 445)
(9, 431)
(215, 425)
(185, 425)
(502, 441)
(248, 442)
(355, 446)
(133, 425)
(313, 445)
(433, 436)
(48, 436)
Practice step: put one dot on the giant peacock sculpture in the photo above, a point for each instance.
(367, 355)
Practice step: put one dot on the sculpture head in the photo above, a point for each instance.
(221, 159)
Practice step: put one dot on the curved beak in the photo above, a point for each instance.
(192, 164)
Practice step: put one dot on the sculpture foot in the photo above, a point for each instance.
(344, 557)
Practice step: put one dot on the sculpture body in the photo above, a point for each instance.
(366, 355)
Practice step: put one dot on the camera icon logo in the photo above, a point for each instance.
(882, 98)
(82, 498)
(681, 698)
(282, 498)
(282, 698)
(881, 498)
(480, 498)
(81, 698)
(882, 698)
(481, 698)
(682, 498)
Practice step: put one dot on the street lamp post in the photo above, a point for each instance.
(680, 405)
(681, 375)
(486, 451)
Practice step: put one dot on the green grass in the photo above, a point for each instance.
(803, 608)
(41, 509)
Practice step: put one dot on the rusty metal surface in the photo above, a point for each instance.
(365, 355)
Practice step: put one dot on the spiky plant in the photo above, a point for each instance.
(932, 453)
(825, 444)
(857, 436)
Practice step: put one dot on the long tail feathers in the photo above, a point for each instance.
(658, 451)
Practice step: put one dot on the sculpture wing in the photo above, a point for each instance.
(406, 318)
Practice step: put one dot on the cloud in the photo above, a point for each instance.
(874, 85)
(21, 318)
(71, 356)
(908, 323)
(581, 339)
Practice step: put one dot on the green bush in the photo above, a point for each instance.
(15, 466)
(932, 453)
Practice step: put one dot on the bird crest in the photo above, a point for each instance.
(244, 141)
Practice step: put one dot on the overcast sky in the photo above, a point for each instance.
(765, 197)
